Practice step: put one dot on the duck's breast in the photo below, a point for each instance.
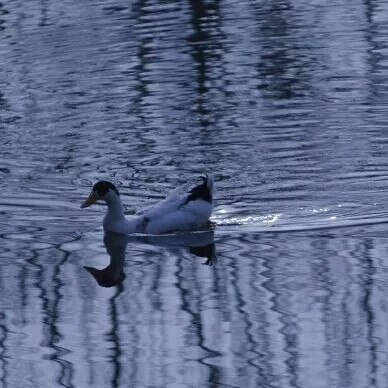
(129, 225)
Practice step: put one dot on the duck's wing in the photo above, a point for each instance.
(180, 202)
(168, 205)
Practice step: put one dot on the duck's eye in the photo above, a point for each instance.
(102, 191)
(100, 188)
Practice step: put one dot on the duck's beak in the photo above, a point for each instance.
(90, 200)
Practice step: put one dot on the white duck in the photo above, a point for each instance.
(176, 212)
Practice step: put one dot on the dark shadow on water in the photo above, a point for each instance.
(284, 62)
(114, 337)
(49, 284)
(191, 305)
(205, 44)
(3, 13)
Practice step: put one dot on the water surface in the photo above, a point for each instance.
(285, 101)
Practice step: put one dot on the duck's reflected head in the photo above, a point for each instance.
(105, 277)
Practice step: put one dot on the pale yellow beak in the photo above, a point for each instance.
(90, 200)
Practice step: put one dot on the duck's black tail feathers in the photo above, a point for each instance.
(203, 191)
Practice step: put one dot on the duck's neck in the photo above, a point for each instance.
(115, 208)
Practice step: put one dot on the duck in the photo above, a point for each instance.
(177, 212)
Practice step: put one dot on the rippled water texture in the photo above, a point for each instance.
(286, 102)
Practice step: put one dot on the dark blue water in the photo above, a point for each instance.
(285, 102)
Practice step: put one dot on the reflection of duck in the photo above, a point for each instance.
(200, 244)
(176, 212)
(113, 273)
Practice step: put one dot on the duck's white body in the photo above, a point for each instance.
(176, 212)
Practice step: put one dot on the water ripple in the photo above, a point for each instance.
(284, 103)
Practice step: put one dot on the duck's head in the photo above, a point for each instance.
(104, 190)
